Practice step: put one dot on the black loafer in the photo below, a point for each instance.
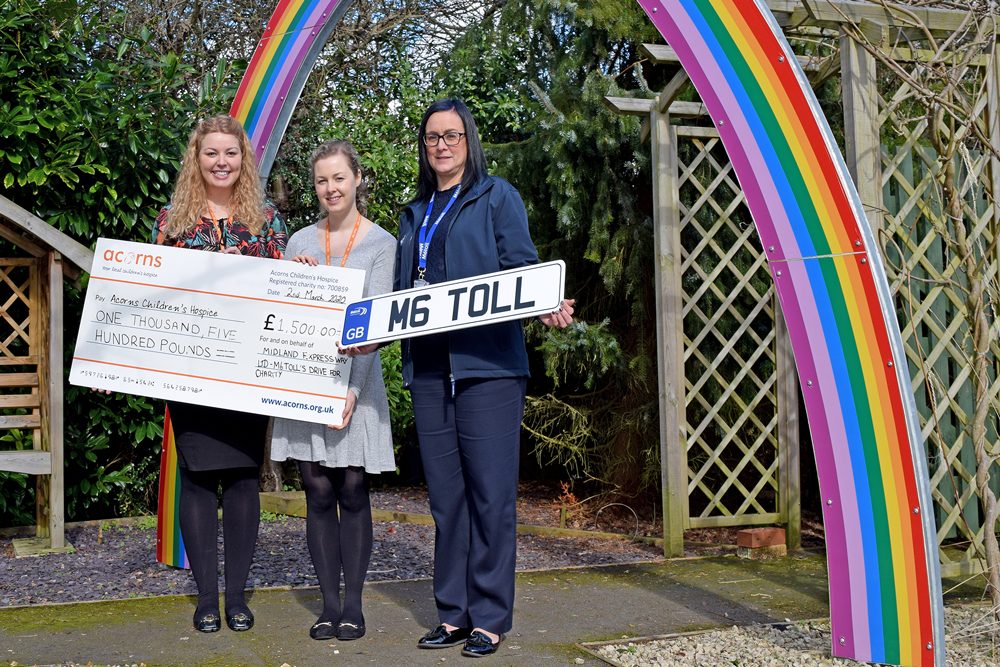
(479, 645)
(208, 622)
(240, 621)
(323, 630)
(347, 631)
(441, 637)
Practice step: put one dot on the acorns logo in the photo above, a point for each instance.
(136, 258)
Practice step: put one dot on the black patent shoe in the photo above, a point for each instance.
(479, 645)
(323, 630)
(209, 621)
(441, 637)
(241, 621)
(347, 631)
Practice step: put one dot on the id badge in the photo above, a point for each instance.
(420, 282)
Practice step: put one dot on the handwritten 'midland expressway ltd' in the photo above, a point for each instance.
(249, 334)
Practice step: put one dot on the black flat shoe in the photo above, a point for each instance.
(441, 637)
(208, 622)
(323, 630)
(241, 621)
(347, 631)
(479, 645)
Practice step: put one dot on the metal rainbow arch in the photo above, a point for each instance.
(884, 574)
(278, 70)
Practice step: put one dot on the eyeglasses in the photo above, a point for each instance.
(450, 138)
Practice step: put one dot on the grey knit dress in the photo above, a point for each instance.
(367, 440)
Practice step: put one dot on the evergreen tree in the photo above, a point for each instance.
(535, 75)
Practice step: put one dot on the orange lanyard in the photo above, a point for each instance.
(350, 242)
(222, 235)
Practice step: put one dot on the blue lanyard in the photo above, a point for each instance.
(425, 235)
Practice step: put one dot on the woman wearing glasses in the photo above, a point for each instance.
(468, 386)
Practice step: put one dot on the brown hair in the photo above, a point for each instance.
(341, 146)
(188, 200)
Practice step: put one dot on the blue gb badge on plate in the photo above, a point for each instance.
(356, 322)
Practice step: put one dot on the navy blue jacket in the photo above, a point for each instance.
(489, 233)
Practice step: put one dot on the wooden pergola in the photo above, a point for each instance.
(669, 124)
(31, 362)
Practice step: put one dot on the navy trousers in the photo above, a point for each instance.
(469, 445)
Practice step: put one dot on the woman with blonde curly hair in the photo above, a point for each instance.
(218, 182)
(218, 205)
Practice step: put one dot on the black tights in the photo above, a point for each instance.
(199, 514)
(336, 543)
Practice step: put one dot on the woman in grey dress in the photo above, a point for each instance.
(334, 460)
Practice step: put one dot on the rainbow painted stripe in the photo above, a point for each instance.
(278, 70)
(169, 542)
(885, 597)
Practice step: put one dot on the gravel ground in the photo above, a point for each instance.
(970, 641)
(117, 561)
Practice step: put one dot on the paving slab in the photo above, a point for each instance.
(555, 610)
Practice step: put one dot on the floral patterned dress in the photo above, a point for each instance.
(213, 235)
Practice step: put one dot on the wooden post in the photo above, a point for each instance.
(669, 332)
(39, 334)
(789, 463)
(993, 128)
(993, 120)
(54, 415)
(862, 145)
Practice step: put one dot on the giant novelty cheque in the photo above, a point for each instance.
(244, 333)
(262, 335)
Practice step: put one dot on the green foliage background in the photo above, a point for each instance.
(95, 109)
(536, 75)
(91, 124)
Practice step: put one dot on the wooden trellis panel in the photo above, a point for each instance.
(730, 346)
(733, 407)
(20, 402)
(925, 276)
(23, 327)
(31, 371)
(31, 364)
(729, 438)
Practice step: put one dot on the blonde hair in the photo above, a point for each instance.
(188, 200)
